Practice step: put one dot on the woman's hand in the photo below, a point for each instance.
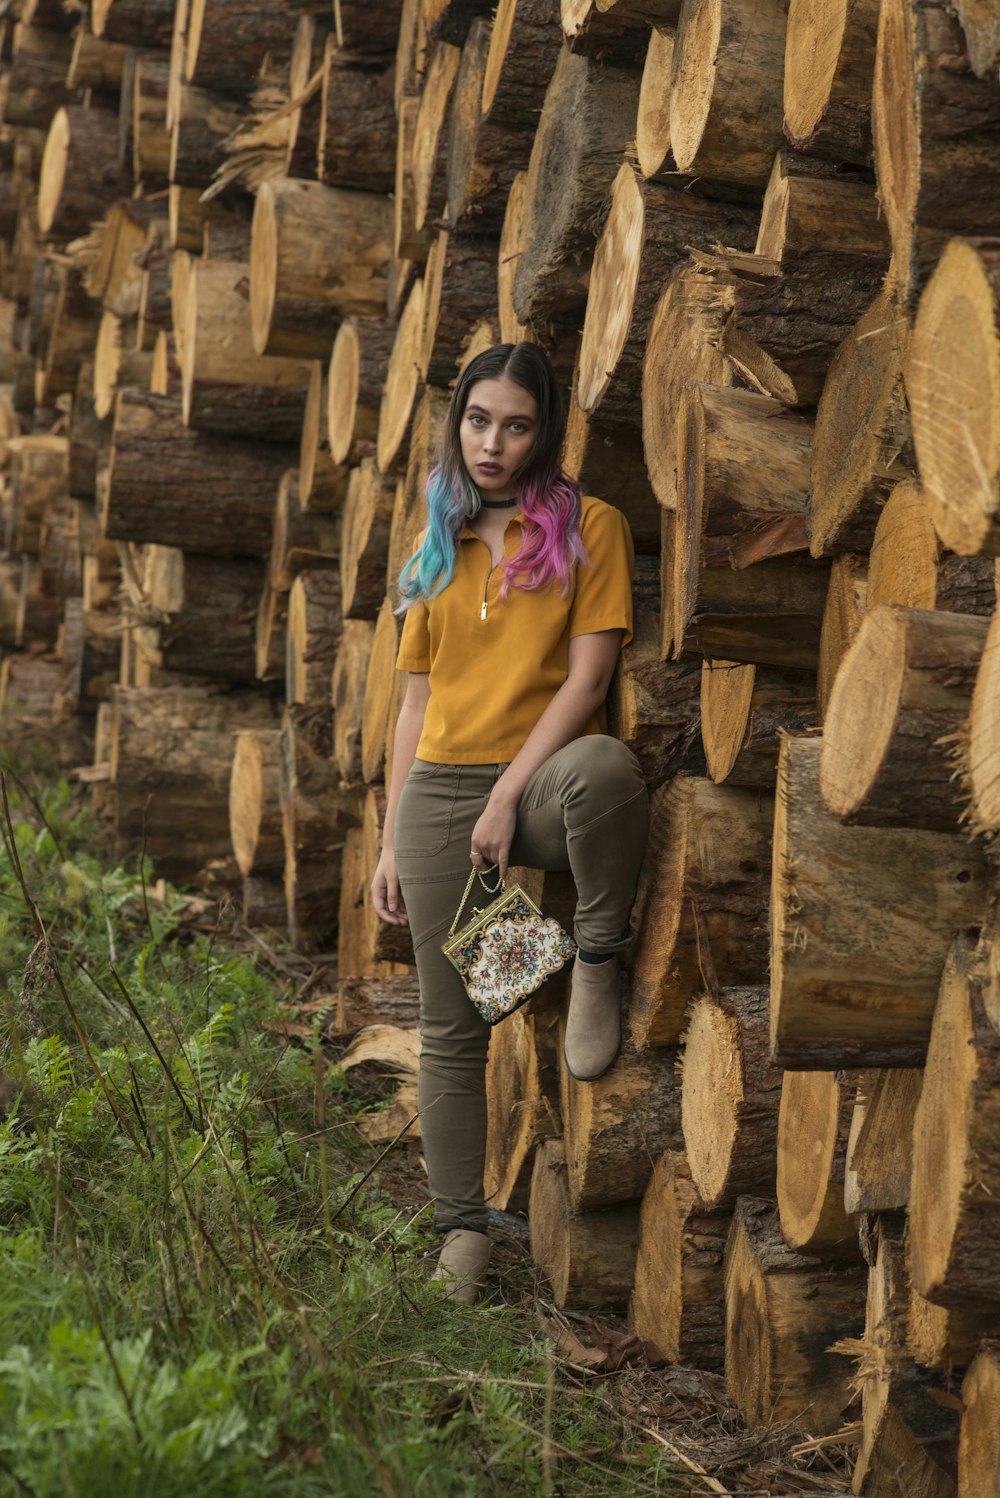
(386, 894)
(493, 835)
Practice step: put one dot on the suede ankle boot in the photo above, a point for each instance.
(462, 1264)
(594, 1027)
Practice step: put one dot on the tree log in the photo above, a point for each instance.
(808, 209)
(387, 943)
(409, 514)
(614, 1129)
(909, 566)
(357, 137)
(171, 761)
(80, 171)
(117, 363)
(652, 126)
(880, 1145)
(228, 40)
(725, 89)
(358, 367)
(605, 35)
(390, 1000)
(783, 1310)
(367, 518)
(522, 1092)
(205, 609)
(863, 445)
(177, 487)
(317, 814)
(134, 23)
(449, 20)
(980, 745)
(586, 120)
(861, 921)
(702, 899)
(900, 699)
(227, 387)
(34, 85)
(743, 712)
(402, 380)
(300, 540)
(939, 1337)
(606, 458)
(255, 826)
(347, 690)
(829, 63)
(846, 603)
(589, 1257)
(380, 687)
(730, 1096)
(429, 152)
(677, 1304)
(935, 127)
(319, 254)
(202, 124)
(954, 1207)
(814, 1123)
(769, 613)
(459, 285)
(908, 1434)
(312, 635)
(979, 1441)
(150, 136)
(647, 234)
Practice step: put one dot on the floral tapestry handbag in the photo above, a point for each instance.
(507, 950)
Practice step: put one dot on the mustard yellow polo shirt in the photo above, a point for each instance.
(494, 667)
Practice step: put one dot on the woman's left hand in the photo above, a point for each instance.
(493, 835)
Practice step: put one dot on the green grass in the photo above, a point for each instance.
(202, 1290)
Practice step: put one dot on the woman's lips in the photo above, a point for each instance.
(489, 467)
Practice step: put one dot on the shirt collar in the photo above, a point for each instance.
(467, 530)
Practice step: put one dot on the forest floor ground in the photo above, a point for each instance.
(212, 1283)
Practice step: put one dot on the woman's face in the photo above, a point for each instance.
(498, 431)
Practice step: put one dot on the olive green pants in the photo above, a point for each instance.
(585, 809)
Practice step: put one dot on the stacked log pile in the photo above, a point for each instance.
(244, 258)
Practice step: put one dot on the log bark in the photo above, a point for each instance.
(954, 344)
(807, 208)
(586, 120)
(588, 1258)
(429, 152)
(227, 41)
(829, 66)
(171, 761)
(783, 1310)
(204, 610)
(347, 690)
(604, 35)
(367, 518)
(150, 136)
(742, 488)
(522, 1092)
(134, 23)
(908, 1430)
(908, 565)
(227, 387)
(39, 474)
(319, 254)
(317, 815)
(935, 127)
(955, 1186)
(95, 64)
(357, 137)
(677, 1303)
(862, 918)
(402, 380)
(725, 89)
(34, 85)
(730, 1096)
(863, 445)
(449, 20)
(358, 367)
(391, 1000)
(702, 898)
(880, 1145)
(843, 611)
(177, 487)
(979, 1441)
(459, 285)
(30, 689)
(71, 342)
(743, 712)
(615, 1128)
(814, 1124)
(255, 826)
(900, 700)
(682, 344)
(648, 232)
(202, 124)
(80, 171)
(652, 706)
(767, 614)
(606, 458)
(300, 540)
(312, 635)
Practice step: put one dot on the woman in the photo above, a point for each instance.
(517, 601)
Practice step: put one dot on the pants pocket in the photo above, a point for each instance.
(423, 816)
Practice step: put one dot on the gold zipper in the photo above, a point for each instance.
(482, 612)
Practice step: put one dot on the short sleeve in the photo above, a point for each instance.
(603, 598)
(415, 643)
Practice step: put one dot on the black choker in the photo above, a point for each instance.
(497, 504)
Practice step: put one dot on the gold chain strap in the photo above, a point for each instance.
(481, 874)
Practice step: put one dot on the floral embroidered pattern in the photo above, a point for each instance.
(506, 956)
